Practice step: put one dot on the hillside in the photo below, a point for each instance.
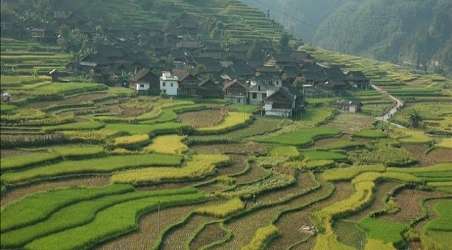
(416, 33)
(194, 124)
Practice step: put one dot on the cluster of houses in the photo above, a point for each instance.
(278, 86)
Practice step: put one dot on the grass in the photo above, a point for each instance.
(52, 154)
(167, 144)
(230, 122)
(224, 209)
(445, 143)
(133, 129)
(24, 212)
(384, 230)
(341, 174)
(97, 165)
(410, 136)
(324, 155)
(324, 217)
(85, 125)
(443, 209)
(198, 167)
(133, 141)
(245, 108)
(79, 214)
(261, 125)
(262, 236)
(301, 137)
(383, 152)
(372, 244)
(284, 151)
(111, 222)
(370, 133)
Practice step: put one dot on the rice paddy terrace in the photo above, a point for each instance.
(86, 166)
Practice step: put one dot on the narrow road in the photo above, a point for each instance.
(388, 115)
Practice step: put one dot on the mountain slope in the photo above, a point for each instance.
(416, 32)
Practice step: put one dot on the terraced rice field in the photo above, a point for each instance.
(111, 170)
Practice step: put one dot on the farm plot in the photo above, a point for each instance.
(204, 118)
(198, 167)
(233, 120)
(167, 144)
(180, 237)
(301, 137)
(90, 166)
(20, 192)
(108, 224)
(209, 234)
(149, 231)
(291, 220)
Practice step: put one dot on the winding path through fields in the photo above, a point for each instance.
(388, 115)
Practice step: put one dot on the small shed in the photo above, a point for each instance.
(351, 106)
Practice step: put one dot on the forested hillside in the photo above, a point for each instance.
(405, 32)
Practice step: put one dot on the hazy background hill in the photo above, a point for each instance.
(416, 32)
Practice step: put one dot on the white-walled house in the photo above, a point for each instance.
(142, 86)
(169, 84)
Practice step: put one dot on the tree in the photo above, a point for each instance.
(414, 119)
(284, 42)
(254, 52)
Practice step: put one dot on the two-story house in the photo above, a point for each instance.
(169, 84)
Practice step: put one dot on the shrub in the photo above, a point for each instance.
(224, 209)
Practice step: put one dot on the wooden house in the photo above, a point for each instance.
(188, 85)
(146, 82)
(357, 79)
(209, 89)
(336, 79)
(281, 103)
(235, 92)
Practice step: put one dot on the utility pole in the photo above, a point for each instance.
(158, 219)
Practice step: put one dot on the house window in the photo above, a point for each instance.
(142, 86)
(264, 95)
(163, 84)
(171, 85)
(254, 96)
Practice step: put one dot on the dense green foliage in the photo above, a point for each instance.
(403, 31)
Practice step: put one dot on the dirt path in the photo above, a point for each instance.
(388, 115)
